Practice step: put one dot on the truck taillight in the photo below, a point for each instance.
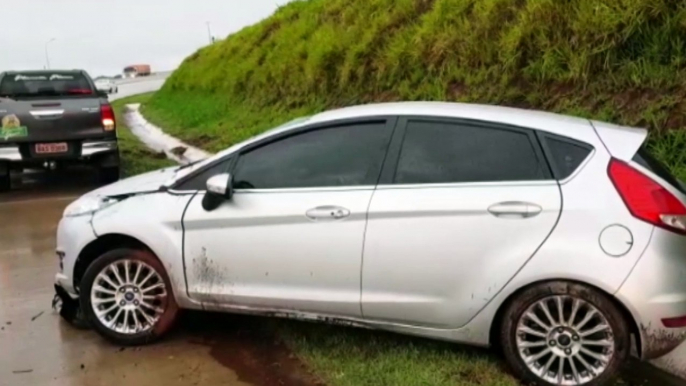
(646, 199)
(107, 117)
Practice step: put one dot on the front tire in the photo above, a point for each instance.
(564, 333)
(126, 296)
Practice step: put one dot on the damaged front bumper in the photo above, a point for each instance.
(69, 308)
(73, 234)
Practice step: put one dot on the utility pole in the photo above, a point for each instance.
(209, 32)
(47, 56)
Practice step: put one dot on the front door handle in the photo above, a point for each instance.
(327, 212)
(515, 209)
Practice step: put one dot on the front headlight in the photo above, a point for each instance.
(88, 205)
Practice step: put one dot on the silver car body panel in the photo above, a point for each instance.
(262, 253)
(271, 249)
(430, 250)
(154, 219)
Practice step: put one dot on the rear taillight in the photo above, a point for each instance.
(646, 199)
(679, 322)
(82, 91)
(107, 117)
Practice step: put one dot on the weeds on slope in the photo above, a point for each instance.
(622, 61)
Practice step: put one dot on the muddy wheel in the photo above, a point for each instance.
(561, 333)
(127, 297)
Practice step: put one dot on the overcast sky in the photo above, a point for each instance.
(105, 36)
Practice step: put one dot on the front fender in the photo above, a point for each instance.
(154, 220)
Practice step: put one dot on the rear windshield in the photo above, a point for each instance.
(45, 84)
(645, 159)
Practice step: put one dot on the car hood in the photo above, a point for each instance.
(142, 183)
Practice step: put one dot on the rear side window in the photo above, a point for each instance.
(445, 152)
(648, 161)
(566, 155)
(45, 84)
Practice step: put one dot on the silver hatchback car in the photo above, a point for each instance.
(555, 238)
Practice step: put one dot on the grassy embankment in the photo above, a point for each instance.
(622, 61)
(136, 157)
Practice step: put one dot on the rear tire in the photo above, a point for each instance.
(109, 175)
(535, 335)
(133, 306)
(5, 182)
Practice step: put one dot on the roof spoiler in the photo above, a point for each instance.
(621, 142)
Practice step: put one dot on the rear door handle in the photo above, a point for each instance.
(327, 212)
(515, 209)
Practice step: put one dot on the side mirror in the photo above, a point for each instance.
(221, 185)
(219, 189)
(102, 93)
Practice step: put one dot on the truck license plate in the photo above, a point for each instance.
(51, 148)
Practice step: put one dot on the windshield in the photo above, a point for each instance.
(45, 84)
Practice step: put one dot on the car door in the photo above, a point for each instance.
(460, 208)
(291, 236)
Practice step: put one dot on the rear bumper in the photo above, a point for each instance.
(87, 149)
(656, 291)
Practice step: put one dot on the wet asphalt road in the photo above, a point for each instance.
(38, 348)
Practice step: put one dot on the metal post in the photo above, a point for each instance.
(47, 56)
(209, 32)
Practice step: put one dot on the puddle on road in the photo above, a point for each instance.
(246, 346)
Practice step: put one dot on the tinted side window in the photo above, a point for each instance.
(566, 155)
(441, 152)
(339, 156)
(199, 180)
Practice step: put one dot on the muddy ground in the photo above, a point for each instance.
(38, 348)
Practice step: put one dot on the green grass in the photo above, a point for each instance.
(136, 157)
(342, 356)
(354, 357)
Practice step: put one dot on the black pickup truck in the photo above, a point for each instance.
(53, 119)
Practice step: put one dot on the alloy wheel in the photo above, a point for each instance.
(565, 340)
(128, 296)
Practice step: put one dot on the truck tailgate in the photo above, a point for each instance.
(50, 120)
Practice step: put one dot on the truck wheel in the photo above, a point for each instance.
(5, 182)
(109, 175)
